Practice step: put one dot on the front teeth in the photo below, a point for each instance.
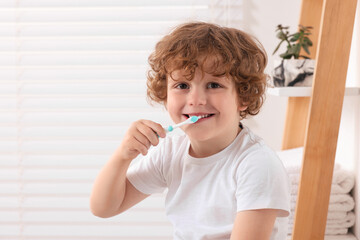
(203, 116)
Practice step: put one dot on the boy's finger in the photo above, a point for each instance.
(141, 148)
(141, 138)
(157, 128)
(149, 133)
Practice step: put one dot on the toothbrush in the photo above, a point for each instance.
(190, 120)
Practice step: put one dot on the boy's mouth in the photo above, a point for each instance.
(201, 116)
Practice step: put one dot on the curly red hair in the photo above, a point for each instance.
(234, 53)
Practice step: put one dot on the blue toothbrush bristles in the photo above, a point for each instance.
(194, 119)
(170, 128)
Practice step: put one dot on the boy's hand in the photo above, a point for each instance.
(141, 135)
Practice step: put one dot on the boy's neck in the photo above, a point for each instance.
(202, 149)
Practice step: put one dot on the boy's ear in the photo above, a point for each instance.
(242, 105)
(242, 108)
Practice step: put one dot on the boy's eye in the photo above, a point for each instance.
(213, 85)
(182, 86)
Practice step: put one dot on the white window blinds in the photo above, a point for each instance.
(72, 79)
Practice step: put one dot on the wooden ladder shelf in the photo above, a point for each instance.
(313, 122)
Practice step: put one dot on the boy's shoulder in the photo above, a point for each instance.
(250, 142)
(251, 146)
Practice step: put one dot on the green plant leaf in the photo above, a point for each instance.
(293, 49)
(277, 48)
(280, 27)
(305, 47)
(281, 36)
(308, 41)
(286, 55)
(295, 37)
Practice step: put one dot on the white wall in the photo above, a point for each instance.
(261, 19)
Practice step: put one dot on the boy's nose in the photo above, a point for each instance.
(196, 97)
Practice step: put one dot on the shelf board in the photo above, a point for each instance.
(305, 91)
(348, 236)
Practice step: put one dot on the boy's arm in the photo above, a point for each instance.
(112, 192)
(254, 224)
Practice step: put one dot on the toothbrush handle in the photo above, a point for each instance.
(172, 127)
(188, 121)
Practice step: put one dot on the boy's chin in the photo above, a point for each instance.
(197, 135)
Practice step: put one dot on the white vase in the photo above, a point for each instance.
(293, 72)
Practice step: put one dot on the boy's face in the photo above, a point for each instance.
(208, 95)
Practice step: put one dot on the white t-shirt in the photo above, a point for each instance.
(204, 194)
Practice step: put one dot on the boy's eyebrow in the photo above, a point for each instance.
(223, 75)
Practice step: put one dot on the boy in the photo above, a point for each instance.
(223, 182)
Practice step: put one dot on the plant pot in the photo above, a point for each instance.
(293, 72)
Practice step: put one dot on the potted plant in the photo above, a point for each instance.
(290, 70)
